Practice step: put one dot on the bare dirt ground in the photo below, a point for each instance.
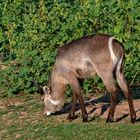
(99, 107)
(122, 110)
(96, 107)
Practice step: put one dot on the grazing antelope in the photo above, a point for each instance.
(83, 58)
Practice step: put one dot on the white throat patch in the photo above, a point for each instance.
(113, 57)
(54, 102)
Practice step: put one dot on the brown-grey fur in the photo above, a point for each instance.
(83, 58)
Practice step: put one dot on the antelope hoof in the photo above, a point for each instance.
(71, 117)
(133, 120)
(110, 120)
(85, 119)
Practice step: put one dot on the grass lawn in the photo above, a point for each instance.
(21, 118)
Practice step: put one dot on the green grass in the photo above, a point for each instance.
(21, 118)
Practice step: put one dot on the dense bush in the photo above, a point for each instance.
(32, 30)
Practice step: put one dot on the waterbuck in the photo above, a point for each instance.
(85, 57)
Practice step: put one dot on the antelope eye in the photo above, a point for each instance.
(42, 98)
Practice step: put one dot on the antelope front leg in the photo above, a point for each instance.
(82, 105)
(71, 115)
(78, 94)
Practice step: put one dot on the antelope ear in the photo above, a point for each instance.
(46, 89)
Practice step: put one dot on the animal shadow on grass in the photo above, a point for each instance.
(104, 102)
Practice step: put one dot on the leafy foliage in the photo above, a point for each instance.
(32, 30)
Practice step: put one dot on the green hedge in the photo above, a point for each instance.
(32, 30)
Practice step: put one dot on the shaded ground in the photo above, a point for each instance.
(121, 112)
(96, 106)
(99, 107)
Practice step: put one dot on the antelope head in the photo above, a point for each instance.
(51, 105)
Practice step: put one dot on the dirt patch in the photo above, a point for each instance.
(99, 107)
(5, 102)
(2, 105)
(15, 102)
(27, 108)
(122, 110)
